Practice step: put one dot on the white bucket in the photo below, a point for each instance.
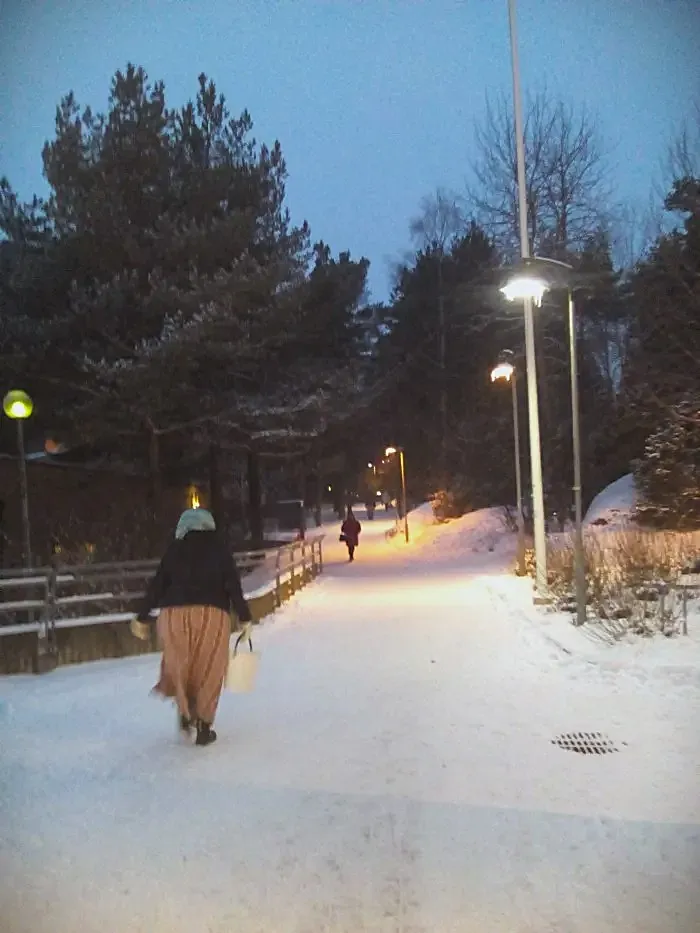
(242, 671)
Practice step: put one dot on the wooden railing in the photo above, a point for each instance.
(47, 600)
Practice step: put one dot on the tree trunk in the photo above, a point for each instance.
(318, 503)
(215, 493)
(255, 517)
(443, 375)
(154, 470)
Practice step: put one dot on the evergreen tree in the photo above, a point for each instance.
(668, 475)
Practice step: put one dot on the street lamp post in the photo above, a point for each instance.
(506, 370)
(540, 535)
(579, 552)
(402, 466)
(529, 280)
(18, 406)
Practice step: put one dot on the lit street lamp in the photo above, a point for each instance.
(505, 370)
(536, 276)
(541, 579)
(402, 465)
(18, 406)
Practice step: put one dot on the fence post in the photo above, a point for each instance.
(684, 628)
(46, 648)
(292, 580)
(304, 581)
(278, 582)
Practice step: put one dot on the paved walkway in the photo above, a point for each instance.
(392, 772)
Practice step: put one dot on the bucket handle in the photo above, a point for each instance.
(240, 638)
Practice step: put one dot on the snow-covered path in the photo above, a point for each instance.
(392, 772)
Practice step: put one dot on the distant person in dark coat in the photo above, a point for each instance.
(196, 587)
(350, 533)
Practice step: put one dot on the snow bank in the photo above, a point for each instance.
(613, 508)
(480, 532)
(483, 541)
(420, 520)
(678, 655)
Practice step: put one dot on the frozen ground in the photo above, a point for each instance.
(393, 772)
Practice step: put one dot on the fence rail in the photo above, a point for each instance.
(44, 601)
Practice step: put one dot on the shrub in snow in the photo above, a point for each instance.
(668, 475)
(452, 502)
(628, 575)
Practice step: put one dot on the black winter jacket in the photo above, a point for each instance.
(196, 571)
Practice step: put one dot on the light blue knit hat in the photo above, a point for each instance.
(194, 520)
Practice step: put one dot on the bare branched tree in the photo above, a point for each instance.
(683, 156)
(441, 218)
(568, 191)
(440, 221)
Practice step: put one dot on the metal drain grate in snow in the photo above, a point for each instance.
(586, 743)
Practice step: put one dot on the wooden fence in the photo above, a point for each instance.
(66, 615)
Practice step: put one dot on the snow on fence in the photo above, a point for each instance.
(44, 610)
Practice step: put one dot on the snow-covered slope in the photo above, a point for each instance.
(613, 508)
(482, 532)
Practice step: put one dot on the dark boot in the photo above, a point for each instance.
(185, 725)
(205, 734)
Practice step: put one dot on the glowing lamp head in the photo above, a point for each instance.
(525, 286)
(502, 371)
(17, 405)
(390, 451)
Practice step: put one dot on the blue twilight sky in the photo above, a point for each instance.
(374, 101)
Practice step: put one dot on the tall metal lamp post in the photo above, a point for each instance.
(536, 276)
(402, 466)
(18, 406)
(505, 369)
(540, 534)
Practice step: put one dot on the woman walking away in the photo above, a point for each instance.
(195, 587)
(350, 533)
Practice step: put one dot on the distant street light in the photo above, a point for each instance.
(18, 406)
(505, 369)
(540, 274)
(389, 452)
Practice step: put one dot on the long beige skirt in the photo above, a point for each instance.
(195, 642)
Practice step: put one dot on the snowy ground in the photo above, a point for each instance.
(392, 772)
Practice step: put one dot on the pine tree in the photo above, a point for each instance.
(668, 475)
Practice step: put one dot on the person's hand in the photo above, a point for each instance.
(139, 629)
